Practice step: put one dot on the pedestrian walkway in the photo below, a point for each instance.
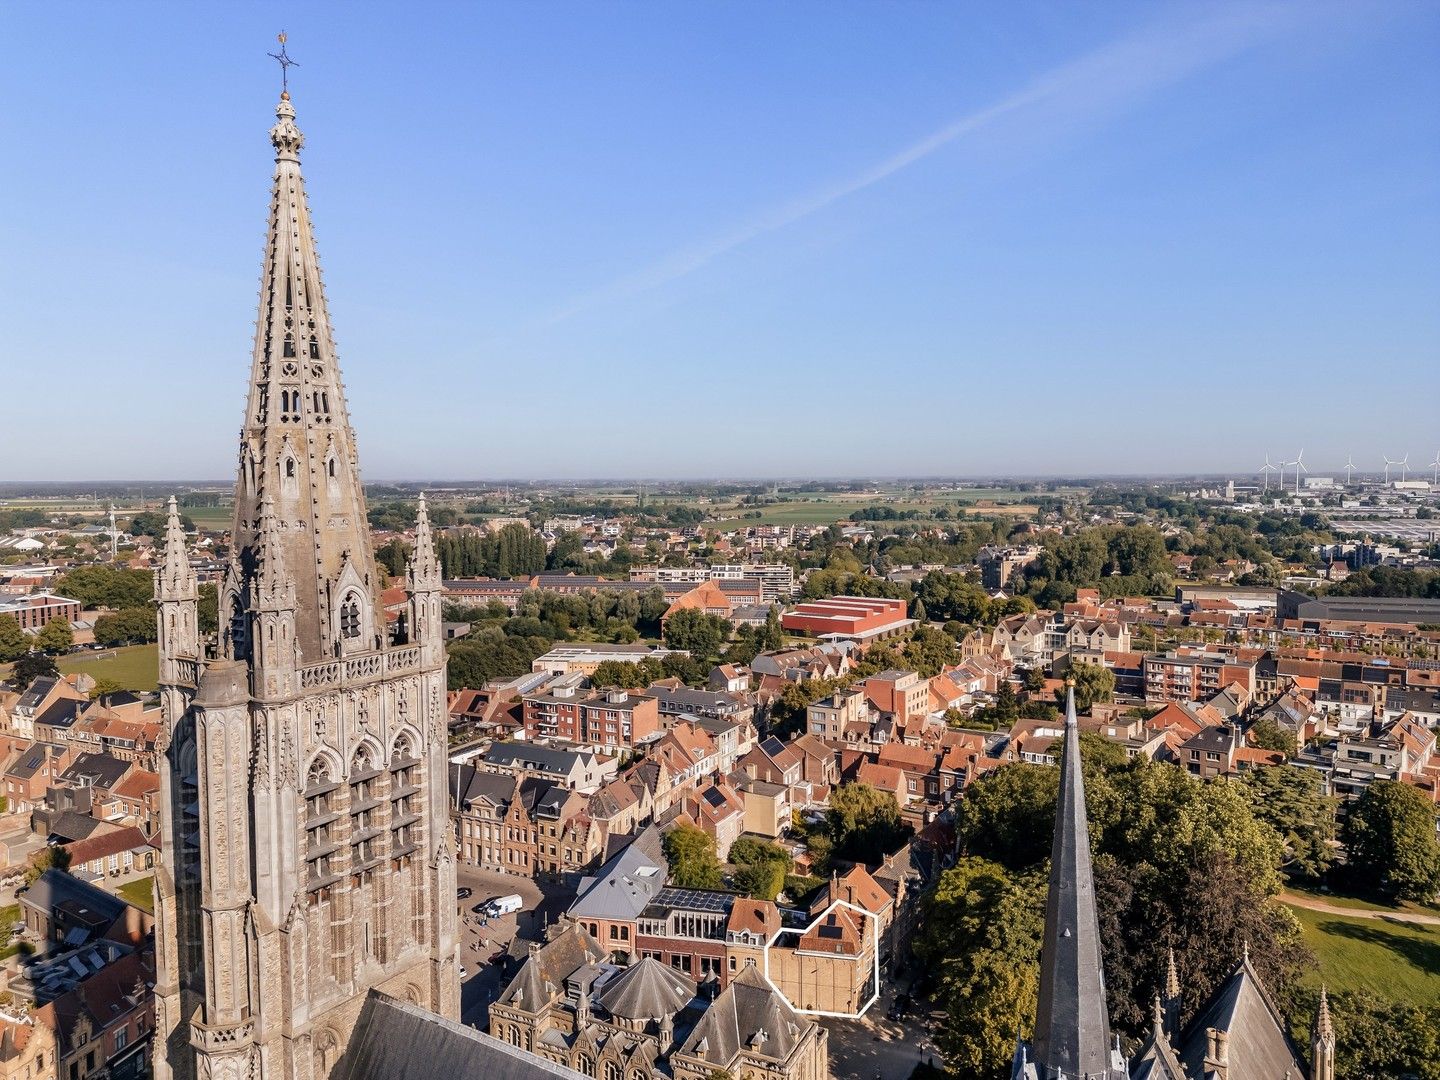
(1309, 903)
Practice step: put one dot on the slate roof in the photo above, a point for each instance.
(647, 990)
(102, 770)
(748, 1014)
(545, 970)
(55, 889)
(627, 883)
(394, 1040)
(1259, 1047)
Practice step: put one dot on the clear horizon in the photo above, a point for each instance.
(869, 242)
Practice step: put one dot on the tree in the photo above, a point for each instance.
(865, 822)
(1292, 801)
(697, 632)
(1178, 863)
(1376, 1039)
(1035, 680)
(13, 642)
(1390, 843)
(107, 586)
(1008, 815)
(55, 636)
(51, 857)
(208, 608)
(32, 666)
(153, 523)
(1093, 684)
(1266, 734)
(772, 637)
(983, 928)
(690, 852)
(128, 626)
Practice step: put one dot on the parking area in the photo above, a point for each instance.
(482, 938)
(877, 1048)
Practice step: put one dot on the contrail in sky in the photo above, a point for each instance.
(1099, 83)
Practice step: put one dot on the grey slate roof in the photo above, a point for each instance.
(544, 972)
(55, 888)
(647, 990)
(102, 770)
(1259, 1047)
(1072, 1022)
(751, 1015)
(625, 885)
(394, 1040)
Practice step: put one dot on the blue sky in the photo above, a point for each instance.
(735, 239)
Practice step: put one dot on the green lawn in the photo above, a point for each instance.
(210, 517)
(135, 667)
(1399, 961)
(139, 892)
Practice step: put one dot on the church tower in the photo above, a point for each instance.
(306, 852)
(1072, 1023)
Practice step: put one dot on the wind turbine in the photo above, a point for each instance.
(1299, 468)
(1435, 466)
(1388, 464)
(1350, 467)
(1266, 470)
(1404, 464)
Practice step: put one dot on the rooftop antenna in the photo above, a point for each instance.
(1266, 470)
(1350, 467)
(283, 59)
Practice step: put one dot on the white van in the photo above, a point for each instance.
(504, 905)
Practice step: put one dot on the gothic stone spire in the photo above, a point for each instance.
(174, 577)
(1072, 1025)
(296, 446)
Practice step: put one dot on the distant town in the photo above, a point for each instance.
(766, 711)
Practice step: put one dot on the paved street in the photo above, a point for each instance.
(874, 1047)
(482, 979)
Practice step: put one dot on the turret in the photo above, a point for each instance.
(424, 588)
(273, 647)
(1172, 998)
(1322, 1043)
(176, 605)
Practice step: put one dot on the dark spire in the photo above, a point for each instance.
(1072, 1023)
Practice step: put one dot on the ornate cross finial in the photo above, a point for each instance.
(283, 59)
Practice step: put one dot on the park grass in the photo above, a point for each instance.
(1397, 961)
(134, 667)
(140, 893)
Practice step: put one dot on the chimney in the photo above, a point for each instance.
(1217, 1056)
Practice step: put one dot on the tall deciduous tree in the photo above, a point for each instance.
(982, 933)
(865, 822)
(13, 643)
(690, 852)
(1292, 801)
(1390, 841)
(55, 636)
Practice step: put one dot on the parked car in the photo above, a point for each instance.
(899, 1007)
(464, 892)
